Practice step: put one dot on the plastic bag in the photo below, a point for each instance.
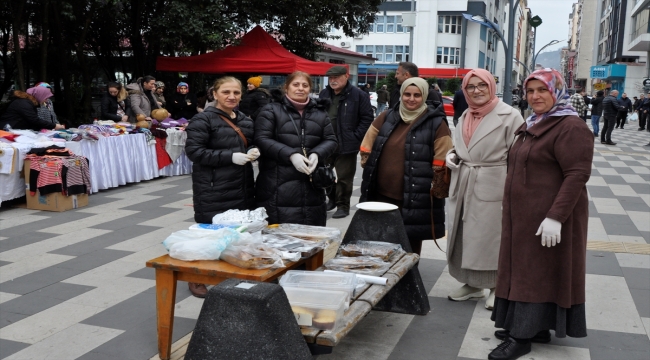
(306, 232)
(633, 117)
(304, 248)
(196, 250)
(252, 220)
(252, 256)
(382, 250)
(223, 236)
(366, 265)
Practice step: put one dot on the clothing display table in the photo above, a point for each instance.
(114, 161)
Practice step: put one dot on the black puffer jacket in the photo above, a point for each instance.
(22, 113)
(418, 174)
(353, 118)
(610, 107)
(217, 183)
(180, 108)
(253, 101)
(109, 108)
(286, 193)
(597, 106)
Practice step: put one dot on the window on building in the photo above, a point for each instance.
(398, 24)
(449, 24)
(380, 21)
(390, 24)
(448, 55)
(481, 59)
(483, 33)
(360, 49)
(641, 23)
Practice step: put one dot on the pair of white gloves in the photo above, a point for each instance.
(239, 158)
(550, 230)
(303, 164)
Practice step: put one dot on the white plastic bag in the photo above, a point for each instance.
(633, 117)
(225, 235)
(196, 250)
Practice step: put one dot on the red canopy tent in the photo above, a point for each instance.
(258, 53)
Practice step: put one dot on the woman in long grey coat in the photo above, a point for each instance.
(485, 132)
(541, 276)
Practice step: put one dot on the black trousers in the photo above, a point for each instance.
(643, 117)
(620, 119)
(606, 131)
(346, 166)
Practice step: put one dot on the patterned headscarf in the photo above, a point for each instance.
(557, 87)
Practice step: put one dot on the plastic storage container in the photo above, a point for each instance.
(320, 309)
(346, 282)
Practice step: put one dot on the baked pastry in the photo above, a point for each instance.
(324, 320)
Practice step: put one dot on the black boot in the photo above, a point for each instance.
(510, 349)
(543, 336)
(331, 205)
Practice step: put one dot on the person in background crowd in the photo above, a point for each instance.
(635, 103)
(46, 108)
(350, 114)
(115, 104)
(282, 129)
(382, 99)
(610, 112)
(209, 101)
(578, 102)
(542, 258)
(366, 88)
(183, 104)
(222, 174)
(201, 99)
(22, 112)
(644, 109)
(587, 102)
(159, 94)
(478, 162)
(403, 156)
(406, 70)
(596, 111)
(141, 96)
(435, 94)
(460, 105)
(625, 107)
(255, 98)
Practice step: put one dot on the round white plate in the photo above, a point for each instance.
(376, 206)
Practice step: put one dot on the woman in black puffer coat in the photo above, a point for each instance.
(255, 99)
(222, 175)
(283, 184)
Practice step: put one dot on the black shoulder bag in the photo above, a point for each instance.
(323, 177)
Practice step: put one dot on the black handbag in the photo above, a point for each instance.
(323, 177)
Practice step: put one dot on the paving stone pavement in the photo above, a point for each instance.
(74, 285)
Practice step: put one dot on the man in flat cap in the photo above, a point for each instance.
(351, 115)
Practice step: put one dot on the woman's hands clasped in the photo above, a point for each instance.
(301, 163)
(254, 152)
(241, 158)
(550, 230)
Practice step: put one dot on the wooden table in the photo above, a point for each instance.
(210, 272)
(323, 341)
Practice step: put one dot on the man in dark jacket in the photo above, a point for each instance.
(610, 111)
(625, 108)
(587, 102)
(382, 99)
(351, 115)
(596, 111)
(404, 71)
(644, 109)
(460, 105)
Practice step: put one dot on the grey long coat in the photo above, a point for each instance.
(477, 187)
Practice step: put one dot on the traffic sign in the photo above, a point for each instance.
(535, 21)
(646, 82)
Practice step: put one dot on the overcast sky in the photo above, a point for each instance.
(555, 21)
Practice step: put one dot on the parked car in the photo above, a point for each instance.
(447, 103)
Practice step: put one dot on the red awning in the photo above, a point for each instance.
(257, 53)
(442, 73)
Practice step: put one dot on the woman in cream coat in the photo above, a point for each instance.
(484, 134)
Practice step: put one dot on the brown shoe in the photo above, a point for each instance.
(198, 290)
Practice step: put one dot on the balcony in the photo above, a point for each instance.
(640, 42)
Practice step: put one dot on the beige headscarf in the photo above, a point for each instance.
(409, 115)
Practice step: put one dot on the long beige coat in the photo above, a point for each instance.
(477, 187)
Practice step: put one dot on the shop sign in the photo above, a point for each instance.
(598, 72)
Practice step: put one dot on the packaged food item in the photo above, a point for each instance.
(292, 244)
(320, 309)
(380, 249)
(252, 220)
(366, 265)
(321, 280)
(306, 232)
(252, 256)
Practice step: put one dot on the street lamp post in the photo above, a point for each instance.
(532, 67)
(507, 86)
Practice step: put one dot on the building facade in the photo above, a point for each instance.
(442, 38)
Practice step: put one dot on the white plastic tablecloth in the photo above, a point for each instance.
(114, 161)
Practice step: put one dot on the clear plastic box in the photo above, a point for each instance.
(321, 280)
(319, 309)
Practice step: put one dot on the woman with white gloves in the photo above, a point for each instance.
(294, 135)
(484, 134)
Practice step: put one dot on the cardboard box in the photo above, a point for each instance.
(52, 202)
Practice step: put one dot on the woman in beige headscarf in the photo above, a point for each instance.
(399, 153)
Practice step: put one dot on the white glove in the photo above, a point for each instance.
(300, 162)
(254, 152)
(550, 230)
(241, 158)
(313, 162)
(451, 159)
